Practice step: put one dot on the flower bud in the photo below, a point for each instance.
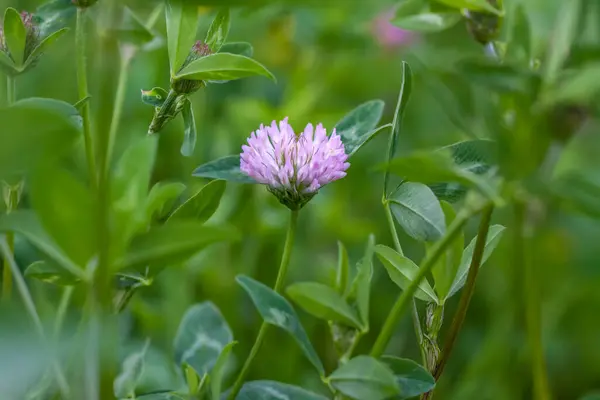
(84, 3)
(482, 25)
(189, 86)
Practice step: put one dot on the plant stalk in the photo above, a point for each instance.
(407, 295)
(281, 275)
(82, 86)
(465, 297)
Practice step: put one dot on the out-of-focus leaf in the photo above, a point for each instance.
(226, 168)
(131, 371)
(154, 97)
(223, 66)
(519, 47)
(577, 87)
(202, 335)
(343, 267)
(402, 271)
(475, 5)
(241, 48)
(418, 211)
(216, 375)
(168, 395)
(494, 235)
(271, 390)
(578, 191)
(358, 126)
(67, 211)
(61, 107)
(428, 22)
(403, 97)
(503, 78)
(323, 302)
(218, 31)
(563, 34)
(202, 204)
(14, 35)
(131, 29)
(50, 273)
(365, 378)
(172, 243)
(44, 45)
(360, 290)
(182, 22)
(161, 199)
(446, 268)
(275, 310)
(412, 378)
(189, 130)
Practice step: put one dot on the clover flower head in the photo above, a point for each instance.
(294, 167)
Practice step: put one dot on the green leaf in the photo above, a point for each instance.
(445, 269)
(202, 335)
(202, 204)
(50, 273)
(502, 78)
(131, 371)
(241, 48)
(131, 29)
(428, 22)
(580, 86)
(216, 375)
(7, 64)
(226, 168)
(189, 129)
(15, 35)
(343, 267)
(365, 378)
(494, 235)
(223, 66)
(61, 107)
(33, 134)
(26, 223)
(161, 199)
(218, 31)
(418, 212)
(67, 210)
(474, 5)
(402, 271)
(360, 291)
(182, 23)
(323, 302)
(270, 390)
(357, 127)
(154, 97)
(275, 310)
(403, 97)
(412, 378)
(166, 395)
(408, 8)
(44, 45)
(519, 44)
(475, 156)
(563, 34)
(173, 243)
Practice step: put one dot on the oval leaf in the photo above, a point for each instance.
(154, 97)
(365, 378)
(131, 371)
(202, 336)
(412, 378)
(276, 310)
(322, 302)
(161, 199)
(402, 271)
(357, 127)
(270, 390)
(189, 130)
(226, 168)
(223, 66)
(494, 236)
(418, 212)
(15, 35)
(203, 204)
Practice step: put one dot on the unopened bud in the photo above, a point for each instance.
(84, 3)
(189, 86)
(482, 25)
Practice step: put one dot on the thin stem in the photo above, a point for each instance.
(11, 90)
(82, 86)
(281, 274)
(32, 311)
(407, 295)
(414, 311)
(11, 96)
(467, 293)
(523, 246)
(62, 309)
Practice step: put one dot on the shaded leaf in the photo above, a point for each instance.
(402, 271)
(131, 371)
(223, 66)
(446, 267)
(189, 130)
(270, 390)
(241, 48)
(226, 168)
(161, 199)
(360, 291)
(47, 272)
(418, 211)
(357, 127)
(154, 97)
(365, 378)
(276, 310)
(412, 378)
(563, 34)
(216, 375)
(131, 29)
(202, 204)
(61, 107)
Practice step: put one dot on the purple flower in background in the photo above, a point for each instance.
(387, 34)
(294, 167)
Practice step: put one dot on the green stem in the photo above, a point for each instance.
(62, 310)
(414, 311)
(283, 268)
(32, 311)
(407, 295)
(165, 113)
(523, 253)
(82, 86)
(11, 90)
(467, 294)
(6, 270)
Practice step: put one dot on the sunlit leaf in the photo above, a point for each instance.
(218, 31)
(223, 66)
(154, 97)
(15, 35)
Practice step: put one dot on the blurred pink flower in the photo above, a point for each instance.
(387, 34)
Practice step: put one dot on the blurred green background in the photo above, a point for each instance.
(328, 60)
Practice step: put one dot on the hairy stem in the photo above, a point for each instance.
(407, 295)
(283, 268)
(466, 296)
